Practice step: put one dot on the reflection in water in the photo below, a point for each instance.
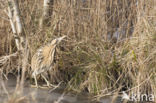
(44, 96)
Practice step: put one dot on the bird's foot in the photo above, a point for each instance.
(34, 86)
(50, 85)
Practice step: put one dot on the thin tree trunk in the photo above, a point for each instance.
(12, 23)
(19, 34)
(47, 13)
(16, 24)
(19, 26)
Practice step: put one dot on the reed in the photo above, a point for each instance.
(110, 45)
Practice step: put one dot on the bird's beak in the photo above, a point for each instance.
(60, 39)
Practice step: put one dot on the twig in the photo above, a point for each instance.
(4, 18)
(4, 59)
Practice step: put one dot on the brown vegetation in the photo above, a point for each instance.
(110, 45)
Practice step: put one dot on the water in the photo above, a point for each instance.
(44, 96)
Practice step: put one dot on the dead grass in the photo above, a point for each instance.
(93, 58)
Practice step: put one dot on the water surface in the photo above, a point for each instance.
(44, 96)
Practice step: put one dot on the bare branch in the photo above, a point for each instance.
(4, 59)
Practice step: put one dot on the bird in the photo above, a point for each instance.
(43, 60)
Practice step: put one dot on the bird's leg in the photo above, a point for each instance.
(35, 81)
(36, 84)
(48, 84)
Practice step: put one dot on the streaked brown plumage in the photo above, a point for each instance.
(43, 59)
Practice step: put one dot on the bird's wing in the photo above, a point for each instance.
(36, 60)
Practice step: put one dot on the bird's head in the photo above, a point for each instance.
(57, 40)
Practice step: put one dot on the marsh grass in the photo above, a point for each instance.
(93, 58)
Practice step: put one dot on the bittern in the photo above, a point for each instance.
(43, 59)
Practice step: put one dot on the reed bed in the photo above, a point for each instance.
(110, 45)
